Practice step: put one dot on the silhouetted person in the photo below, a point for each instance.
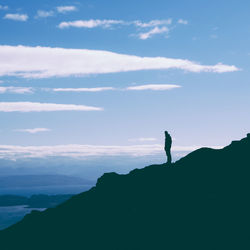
(168, 144)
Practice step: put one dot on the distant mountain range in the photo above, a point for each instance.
(29, 181)
(35, 201)
(89, 168)
(27, 185)
(199, 202)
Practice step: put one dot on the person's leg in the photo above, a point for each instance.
(169, 156)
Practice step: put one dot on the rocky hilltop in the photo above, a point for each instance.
(199, 202)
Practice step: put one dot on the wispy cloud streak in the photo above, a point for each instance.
(146, 29)
(152, 32)
(152, 23)
(89, 23)
(45, 62)
(43, 107)
(76, 150)
(83, 89)
(154, 87)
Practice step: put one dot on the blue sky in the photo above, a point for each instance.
(137, 68)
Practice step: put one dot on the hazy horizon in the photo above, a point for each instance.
(106, 79)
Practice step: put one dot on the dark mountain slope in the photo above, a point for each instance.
(200, 202)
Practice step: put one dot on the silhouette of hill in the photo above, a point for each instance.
(199, 202)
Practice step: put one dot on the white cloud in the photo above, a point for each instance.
(76, 150)
(44, 62)
(152, 32)
(4, 7)
(26, 90)
(89, 23)
(142, 139)
(33, 130)
(182, 21)
(17, 17)
(82, 89)
(44, 14)
(148, 29)
(154, 87)
(64, 9)
(39, 107)
(138, 87)
(106, 23)
(16, 90)
(152, 23)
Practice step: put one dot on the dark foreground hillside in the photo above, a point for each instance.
(200, 202)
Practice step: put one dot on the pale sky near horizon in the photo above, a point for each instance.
(119, 73)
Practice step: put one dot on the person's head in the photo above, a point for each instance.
(166, 133)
